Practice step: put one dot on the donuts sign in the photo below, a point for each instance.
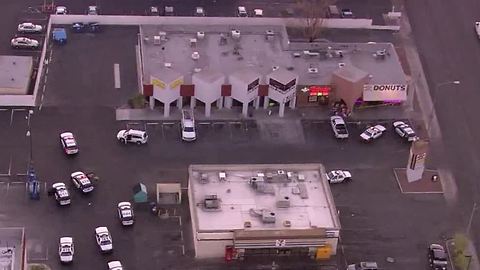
(385, 92)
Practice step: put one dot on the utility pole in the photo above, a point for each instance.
(472, 214)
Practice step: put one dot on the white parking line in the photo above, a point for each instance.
(116, 74)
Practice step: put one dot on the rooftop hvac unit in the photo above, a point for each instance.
(200, 34)
(340, 65)
(380, 54)
(301, 177)
(312, 70)
(236, 34)
(281, 172)
(163, 35)
(195, 55)
(275, 68)
(204, 178)
(283, 200)
(211, 202)
(269, 35)
(193, 42)
(268, 216)
(247, 224)
(290, 175)
(168, 65)
(156, 40)
(297, 55)
(261, 174)
(222, 176)
(287, 223)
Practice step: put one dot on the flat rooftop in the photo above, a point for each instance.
(11, 248)
(310, 204)
(218, 50)
(15, 72)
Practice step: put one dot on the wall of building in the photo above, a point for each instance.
(211, 249)
(208, 92)
(239, 90)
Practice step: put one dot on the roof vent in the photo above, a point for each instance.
(193, 42)
(196, 70)
(222, 176)
(297, 55)
(340, 65)
(281, 172)
(380, 54)
(156, 40)
(204, 178)
(287, 223)
(312, 70)
(236, 34)
(200, 34)
(168, 65)
(14, 62)
(247, 224)
(163, 35)
(275, 68)
(268, 216)
(195, 56)
(301, 177)
(283, 200)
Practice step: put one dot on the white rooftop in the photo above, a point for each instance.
(15, 73)
(241, 203)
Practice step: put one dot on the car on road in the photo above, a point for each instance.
(437, 257)
(242, 11)
(339, 127)
(363, 266)
(258, 12)
(115, 265)
(405, 131)
(27, 27)
(372, 133)
(477, 28)
(69, 143)
(62, 196)
(125, 213)
(61, 10)
(199, 12)
(132, 136)
(24, 43)
(103, 238)
(339, 176)
(66, 249)
(82, 182)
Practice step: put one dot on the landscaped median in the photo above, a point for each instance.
(38, 266)
(460, 252)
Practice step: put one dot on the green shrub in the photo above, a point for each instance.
(137, 102)
(38, 267)
(459, 258)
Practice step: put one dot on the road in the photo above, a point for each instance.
(449, 50)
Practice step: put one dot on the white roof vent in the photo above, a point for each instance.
(200, 34)
(287, 223)
(297, 55)
(275, 68)
(168, 65)
(195, 56)
(236, 34)
(312, 70)
(193, 42)
(301, 177)
(222, 176)
(281, 172)
(156, 40)
(163, 35)
(340, 65)
(196, 70)
(268, 216)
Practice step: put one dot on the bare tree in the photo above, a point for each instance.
(314, 12)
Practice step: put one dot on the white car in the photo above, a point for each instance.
(103, 238)
(372, 133)
(258, 12)
(24, 43)
(115, 265)
(82, 182)
(188, 126)
(338, 176)
(242, 11)
(132, 136)
(125, 213)
(66, 249)
(29, 28)
(405, 131)
(339, 127)
(62, 196)
(477, 28)
(92, 10)
(61, 10)
(69, 143)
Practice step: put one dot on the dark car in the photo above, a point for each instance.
(94, 27)
(437, 257)
(78, 27)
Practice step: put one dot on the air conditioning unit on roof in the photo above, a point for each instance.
(200, 34)
(236, 34)
(312, 70)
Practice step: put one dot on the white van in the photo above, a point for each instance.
(132, 136)
(242, 12)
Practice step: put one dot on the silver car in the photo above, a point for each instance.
(29, 28)
(24, 43)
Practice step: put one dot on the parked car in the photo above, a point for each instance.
(24, 43)
(363, 266)
(103, 238)
(242, 11)
(69, 143)
(66, 249)
(188, 126)
(78, 27)
(92, 10)
(339, 127)
(61, 10)
(347, 13)
(82, 182)
(62, 196)
(405, 131)
(338, 176)
(169, 11)
(125, 213)
(93, 27)
(437, 257)
(27, 27)
(115, 265)
(373, 133)
(153, 11)
(258, 12)
(132, 136)
(477, 28)
(199, 12)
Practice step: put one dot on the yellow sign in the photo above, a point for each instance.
(158, 83)
(176, 83)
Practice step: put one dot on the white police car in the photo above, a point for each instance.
(115, 265)
(338, 176)
(62, 196)
(405, 131)
(125, 213)
(82, 182)
(103, 238)
(66, 249)
(373, 133)
(132, 136)
(69, 143)
(27, 27)
(24, 43)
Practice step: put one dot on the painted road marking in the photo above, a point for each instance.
(116, 75)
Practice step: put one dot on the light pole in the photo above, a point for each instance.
(432, 110)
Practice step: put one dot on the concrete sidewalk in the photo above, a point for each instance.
(473, 264)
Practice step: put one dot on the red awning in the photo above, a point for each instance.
(316, 90)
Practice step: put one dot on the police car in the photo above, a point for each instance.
(125, 213)
(132, 136)
(82, 182)
(62, 196)
(115, 265)
(373, 133)
(66, 249)
(24, 43)
(405, 131)
(103, 238)
(27, 27)
(69, 143)
(338, 176)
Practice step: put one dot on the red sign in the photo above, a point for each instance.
(319, 90)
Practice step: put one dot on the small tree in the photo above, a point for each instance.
(314, 12)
